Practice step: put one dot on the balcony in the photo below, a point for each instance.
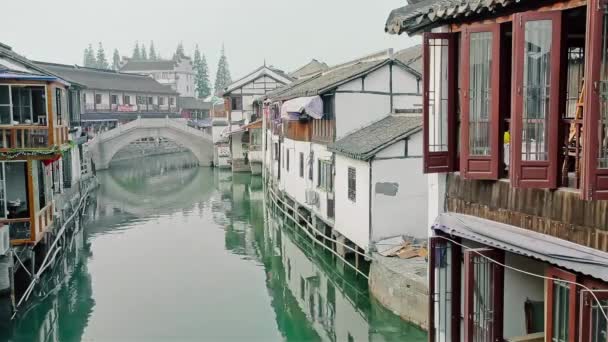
(28, 231)
(32, 136)
(323, 131)
(296, 130)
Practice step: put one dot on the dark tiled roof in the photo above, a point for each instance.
(419, 15)
(193, 103)
(107, 79)
(312, 67)
(366, 142)
(412, 57)
(21, 65)
(320, 83)
(138, 65)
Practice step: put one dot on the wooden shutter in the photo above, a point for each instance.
(480, 125)
(534, 128)
(439, 102)
(483, 295)
(556, 273)
(595, 127)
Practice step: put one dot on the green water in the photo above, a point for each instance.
(184, 254)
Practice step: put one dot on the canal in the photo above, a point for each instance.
(175, 252)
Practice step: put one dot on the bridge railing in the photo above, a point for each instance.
(151, 123)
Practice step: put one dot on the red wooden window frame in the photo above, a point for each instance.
(497, 295)
(480, 167)
(533, 173)
(595, 180)
(554, 272)
(585, 305)
(444, 161)
(455, 262)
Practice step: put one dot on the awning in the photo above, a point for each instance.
(226, 132)
(525, 242)
(312, 106)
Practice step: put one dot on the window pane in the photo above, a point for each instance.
(16, 190)
(438, 95)
(4, 95)
(5, 115)
(536, 87)
(603, 124)
(599, 326)
(561, 312)
(479, 93)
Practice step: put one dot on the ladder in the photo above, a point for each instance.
(574, 144)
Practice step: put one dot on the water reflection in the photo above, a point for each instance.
(171, 252)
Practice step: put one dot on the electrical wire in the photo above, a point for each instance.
(532, 274)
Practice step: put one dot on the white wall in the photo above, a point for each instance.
(320, 152)
(357, 110)
(352, 218)
(294, 185)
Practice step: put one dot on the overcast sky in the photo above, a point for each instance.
(286, 33)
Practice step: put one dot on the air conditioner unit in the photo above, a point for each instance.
(5, 243)
(312, 197)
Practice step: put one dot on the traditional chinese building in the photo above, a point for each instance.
(515, 145)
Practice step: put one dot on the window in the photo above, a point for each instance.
(311, 165)
(535, 119)
(59, 103)
(561, 306)
(161, 101)
(5, 105)
(352, 184)
(140, 100)
(595, 185)
(483, 298)
(114, 99)
(324, 177)
(172, 101)
(14, 190)
(237, 103)
(439, 102)
(126, 99)
(276, 151)
(594, 326)
(480, 102)
(150, 100)
(301, 165)
(287, 159)
(22, 104)
(97, 98)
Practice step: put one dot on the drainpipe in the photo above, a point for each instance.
(370, 247)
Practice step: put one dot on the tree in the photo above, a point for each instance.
(222, 77)
(102, 62)
(152, 55)
(116, 60)
(201, 78)
(89, 60)
(136, 53)
(144, 53)
(179, 52)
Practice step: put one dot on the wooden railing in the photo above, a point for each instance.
(44, 219)
(323, 131)
(31, 136)
(296, 130)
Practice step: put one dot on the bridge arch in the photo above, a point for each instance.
(105, 145)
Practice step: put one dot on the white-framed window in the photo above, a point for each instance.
(352, 184)
(324, 177)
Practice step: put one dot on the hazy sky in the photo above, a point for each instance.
(286, 33)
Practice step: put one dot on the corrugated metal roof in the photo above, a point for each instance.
(107, 79)
(559, 252)
(364, 143)
(417, 16)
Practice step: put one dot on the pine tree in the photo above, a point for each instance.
(201, 78)
(116, 60)
(89, 57)
(102, 62)
(152, 56)
(222, 77)
(136, 53)
(179, 52)
(144, 53)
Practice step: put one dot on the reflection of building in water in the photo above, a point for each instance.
(63, 311)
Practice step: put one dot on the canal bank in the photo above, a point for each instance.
(191, 253)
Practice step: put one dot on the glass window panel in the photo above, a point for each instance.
(480, 66)
(5, 115)
(536, 88)
(603, 98)
(561, 312)
(599, 325)
(16, 190)
(4, 95)
(438, 94)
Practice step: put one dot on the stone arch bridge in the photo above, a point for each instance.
(105, 145)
